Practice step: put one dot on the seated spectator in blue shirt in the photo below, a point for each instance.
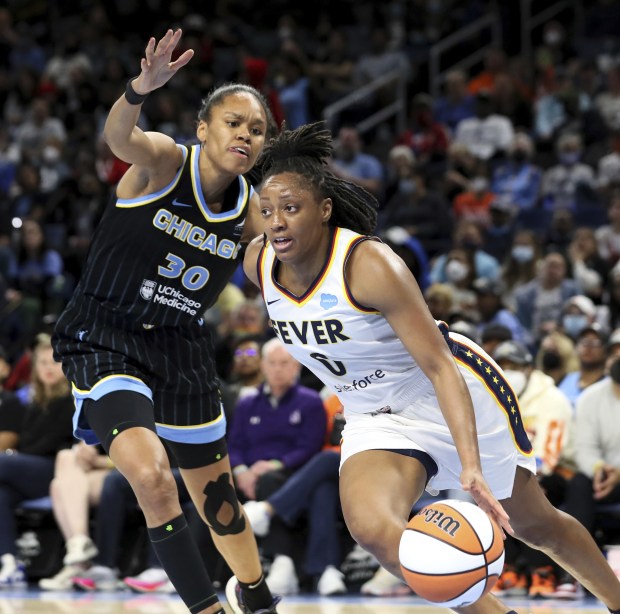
(457, 103)
(273, 433)
(518, 179)
(591, 346)
(493, 311)
(352, 164)
(293, 91)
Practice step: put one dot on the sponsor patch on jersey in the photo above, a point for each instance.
(328, 301)
(148, 289)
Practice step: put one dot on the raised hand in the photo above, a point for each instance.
(157, 67)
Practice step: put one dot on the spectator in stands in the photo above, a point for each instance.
(43, 428)
(293, 87)
(331, 70)
(427, 138)
(246, 374)
(540, 302)
(591, 346)
(312, 492)
(79, 473)
(608, 171)
(578, 312)
(457, 103)
(492, 335)
(487, 135)
(509, 101)
(519, 267)
(589, 269)
(547, 418)
(440, 301)
(412, 252)
(518, 179)
(608, 235)
(494, 64)
(608, 101)
(351, 163)
(39, 127)
(557, 355)
(37, 274)
(468, 235)
(500, 231)
(597, 453)
(421, 211)
(458, 272)
(612, 295)
(9, 404)
(462, 167)
(474, 203)
(569, 184)
(272, 435)
(400, 170)
(492, 310)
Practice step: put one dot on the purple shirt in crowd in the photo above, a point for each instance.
(292, 432)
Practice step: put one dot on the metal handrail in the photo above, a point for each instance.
(529, 21)
(436, 74)
(397, 108)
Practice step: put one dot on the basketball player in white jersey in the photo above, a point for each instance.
(424, 408)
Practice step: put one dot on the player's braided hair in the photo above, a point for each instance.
(306, 151)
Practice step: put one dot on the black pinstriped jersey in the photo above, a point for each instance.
(163, 259)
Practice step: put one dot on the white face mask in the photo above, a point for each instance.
(516, 379)
(456, 270)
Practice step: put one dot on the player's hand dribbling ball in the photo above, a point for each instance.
(451, 553)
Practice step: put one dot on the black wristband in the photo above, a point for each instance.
(132, 96)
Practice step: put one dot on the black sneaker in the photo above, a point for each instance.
(234, 595)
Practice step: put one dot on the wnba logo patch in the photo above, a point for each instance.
(328, 300)
(148, 289)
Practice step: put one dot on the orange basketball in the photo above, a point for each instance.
(451, 553)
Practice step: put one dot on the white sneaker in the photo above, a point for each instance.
(152, 580)
(331, 582)
(97, 578)
(282, 579)
(258, 517)
(80, 549)
(384, 584)
(12, 572)
(63, 580)
(571, 591)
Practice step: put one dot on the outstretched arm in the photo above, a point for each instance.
(379, 279)
(126, 140)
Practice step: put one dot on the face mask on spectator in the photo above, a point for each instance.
(522, 253)
(568, 158)
(516, 379)
(574, 323)
(456, 271)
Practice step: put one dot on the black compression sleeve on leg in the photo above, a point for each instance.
(256, 595)
(181, 559)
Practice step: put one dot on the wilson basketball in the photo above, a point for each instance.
(451, 553)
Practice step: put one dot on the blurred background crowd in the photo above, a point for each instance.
(498, 180)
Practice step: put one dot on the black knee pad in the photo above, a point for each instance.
(217, 493)
(116, 412)
(195, 455)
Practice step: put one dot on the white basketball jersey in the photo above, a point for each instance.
(351, 348)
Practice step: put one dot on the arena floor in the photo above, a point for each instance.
(36, 602)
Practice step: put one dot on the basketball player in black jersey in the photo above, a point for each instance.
(132, 340)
